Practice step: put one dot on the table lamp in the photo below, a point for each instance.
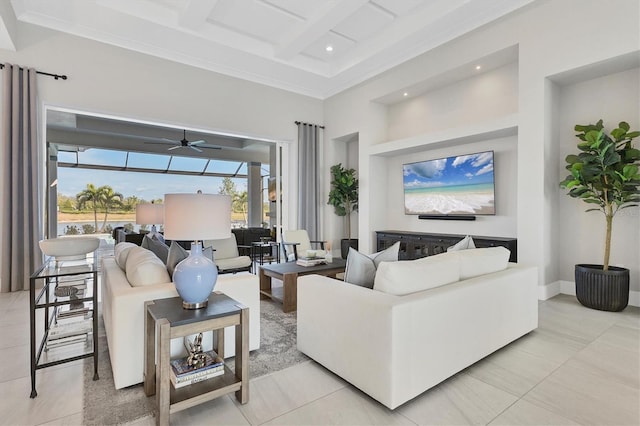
(151, 214)
(196, 217)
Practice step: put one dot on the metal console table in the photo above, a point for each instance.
(68, 300)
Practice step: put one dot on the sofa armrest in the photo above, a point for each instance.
(348, 329)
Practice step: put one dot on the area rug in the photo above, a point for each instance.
(104, 405)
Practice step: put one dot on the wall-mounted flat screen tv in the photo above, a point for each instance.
(458, 185)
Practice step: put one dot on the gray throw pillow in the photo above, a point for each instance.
(361, 268)
(177, 254)
(159, 248)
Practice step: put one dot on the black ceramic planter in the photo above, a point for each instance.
(602, 290)
(345, 244)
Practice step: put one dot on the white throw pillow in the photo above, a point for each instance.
(411, 276)
(482, 261)
(361, 268)
(145, 268)
(121, 252)
(464, 244)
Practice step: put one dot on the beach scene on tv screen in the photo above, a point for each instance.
(462, 184)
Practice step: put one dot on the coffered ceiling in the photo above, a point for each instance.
(313, 47)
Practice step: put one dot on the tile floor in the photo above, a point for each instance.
(579, 367)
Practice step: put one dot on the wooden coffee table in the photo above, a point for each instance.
(289, 273)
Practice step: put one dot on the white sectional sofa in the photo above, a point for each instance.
(123, 314)
(396, 346)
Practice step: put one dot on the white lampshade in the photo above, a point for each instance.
(197, 216)
(149, 214)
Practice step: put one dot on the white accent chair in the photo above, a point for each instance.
(226, 256)
(296, 242)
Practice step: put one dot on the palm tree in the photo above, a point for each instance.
(90, 195)
(109, 199)
(240, 202)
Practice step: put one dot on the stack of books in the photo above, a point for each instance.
(182, 374)
(311, 261)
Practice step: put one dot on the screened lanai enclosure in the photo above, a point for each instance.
(99, 169)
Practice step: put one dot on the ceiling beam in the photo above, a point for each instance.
(326, 18)
(7, 27)
(196, 13)
(145, 170)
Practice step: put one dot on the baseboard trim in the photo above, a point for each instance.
(547, 291)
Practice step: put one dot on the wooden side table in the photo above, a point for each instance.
(172, 321)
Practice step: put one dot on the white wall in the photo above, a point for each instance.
(114, 81)
(580, 239)
(488, 95)
(552, 37)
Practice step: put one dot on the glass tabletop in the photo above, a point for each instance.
(58, 268)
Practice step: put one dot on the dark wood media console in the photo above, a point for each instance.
(414, 245)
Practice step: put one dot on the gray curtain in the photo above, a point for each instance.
(308, 179)
(20, 225)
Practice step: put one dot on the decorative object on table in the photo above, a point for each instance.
(196, 357)
(68, 248)
(328, 255)
(311, 261)
(65, 291)
(605, 174)
(343, 196)
(183, 373)
(196, 217)
(151, 214)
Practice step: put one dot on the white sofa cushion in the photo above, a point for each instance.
(482, 261)
(361, 268)
(464, 244)
(239, 262)
(121, 252)
(145, 268)
(410, 276)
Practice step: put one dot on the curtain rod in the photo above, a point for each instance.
(308, 124)
(56, 76)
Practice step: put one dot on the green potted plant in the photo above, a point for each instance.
(343, 196)
(604, 174)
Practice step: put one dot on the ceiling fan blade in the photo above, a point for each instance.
(210, 147)
(195, 149)
(161, 143)
(197, 142)
(174, 147)
(170, 140)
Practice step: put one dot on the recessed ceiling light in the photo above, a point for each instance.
(329, 48)
(478, 67)
(405, 94)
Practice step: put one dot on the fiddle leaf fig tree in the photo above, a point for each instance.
(605, 172)
(343, 195)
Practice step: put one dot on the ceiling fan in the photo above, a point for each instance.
(184, 143)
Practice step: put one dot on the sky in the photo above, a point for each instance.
(146, 186)
(459, 170)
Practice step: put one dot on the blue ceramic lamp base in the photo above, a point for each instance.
(194, 278)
